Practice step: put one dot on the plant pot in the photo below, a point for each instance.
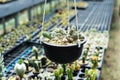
(63, 53)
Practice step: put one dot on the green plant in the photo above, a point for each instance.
(85, 53)
(94, 61)
(20, 68)
(70, 71)
(58, 73)
(35, 51)
(64, 68)
(37, 66)
(90, 74)
(77, 66)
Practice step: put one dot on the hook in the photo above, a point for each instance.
(79, 43)
(41, 39)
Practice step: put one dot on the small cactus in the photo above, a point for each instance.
(20, 68)
(58, 73)
(91, 74)
(35, 51)
(94, 61)
(70, 71)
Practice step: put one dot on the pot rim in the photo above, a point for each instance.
(68, 45)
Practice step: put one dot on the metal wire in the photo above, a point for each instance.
(68, 13)
(43, 16)
(42, 29)
(79, 42)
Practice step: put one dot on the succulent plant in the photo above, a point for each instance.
(35, 51)
(77, 66)
(61, 36)
(9, 40)
(94, 61)
(70, 71)
(20, 68)
(58, 73)
(91, 74)
(85, 53)
(64, 68)
(37, 66)
(83, 59)
(84, 56)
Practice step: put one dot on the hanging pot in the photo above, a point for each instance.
(63, 53)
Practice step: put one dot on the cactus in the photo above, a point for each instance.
(20, 68)
(70, 72)
(37, 66)
(64, 68)
(83, 59)
(35, 51)
(85, 53)
(90, 74)
(58, 73)
(76, 65)
(94, 61)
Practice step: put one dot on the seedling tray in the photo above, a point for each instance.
(88, 63)
(24, 38)
(100, 62)
(81, 74)
(7, 51)
(22, 51)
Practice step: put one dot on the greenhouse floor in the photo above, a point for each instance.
(111, 68)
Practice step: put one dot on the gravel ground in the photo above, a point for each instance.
(111, 67)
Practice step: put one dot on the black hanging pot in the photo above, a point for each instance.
(63, 53)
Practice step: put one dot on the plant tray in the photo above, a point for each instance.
(22, 51)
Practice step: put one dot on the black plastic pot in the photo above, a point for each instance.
(63, 53)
